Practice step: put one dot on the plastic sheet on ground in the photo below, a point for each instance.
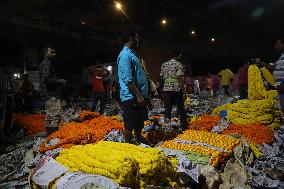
(77, 180)
(199, 105)
(115, 136)
(186, 168)
(273, 160)
(111, 108)
(70, 114)
(243, 153)
(12, 172)
(53, 111)
(213, 178)
(234, 175)
(222, 125)
(43, 176)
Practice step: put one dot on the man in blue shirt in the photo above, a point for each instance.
(133, 87)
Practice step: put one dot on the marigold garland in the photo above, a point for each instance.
(127, 164)
(90, 131)
(256, 89)
(204, 123)
(268, 76)
(216, 140)
(33, 123)
(218, 146)
(251, 112)
(255, 133)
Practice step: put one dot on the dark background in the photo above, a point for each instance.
(242, 28)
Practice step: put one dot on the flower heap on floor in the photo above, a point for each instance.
(255, 133)
(217, 146)
(90, 131)
(33, 123)
(204, 123)
(259, 109)
(127, 164)
(251, 112)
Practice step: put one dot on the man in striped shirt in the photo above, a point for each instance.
(278, 72)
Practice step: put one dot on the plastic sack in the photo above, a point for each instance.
(77, 180)
(43, 177)
(243, 153)
(213, 178)
(234, 174)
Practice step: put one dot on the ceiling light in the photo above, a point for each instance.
(118, 5)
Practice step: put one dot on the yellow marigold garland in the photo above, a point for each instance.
(251, 112)
(256, 89)
(268, 76)
(127, 164)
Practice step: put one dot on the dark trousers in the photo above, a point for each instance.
(243, 90)
(8, 114)
(28, 104)
(226, 89)
(134, 116)
(18, 99)
(99, 97)
(171, 98)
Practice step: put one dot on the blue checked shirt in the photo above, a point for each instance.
(130, 70)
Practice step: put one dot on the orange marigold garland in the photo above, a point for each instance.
(255, 133)
(204, 123)
(33, 123)
(90, 131)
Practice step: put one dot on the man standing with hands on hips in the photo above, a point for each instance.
(133, 87)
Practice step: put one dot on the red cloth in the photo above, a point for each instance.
(98, 84)
(243, 75)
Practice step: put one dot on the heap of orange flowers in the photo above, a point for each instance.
(255, 133)
(33, 123)
(90, 131)
(204, 123)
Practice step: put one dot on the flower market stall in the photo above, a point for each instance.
(241, 149)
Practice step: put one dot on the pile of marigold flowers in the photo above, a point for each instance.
(129, 165)
(89, 131)
(259, 109)
(252, 112)
(204, 123)
(218, 146)
(255, 133)
(33, 123)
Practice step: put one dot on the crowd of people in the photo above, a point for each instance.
(134, 88)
